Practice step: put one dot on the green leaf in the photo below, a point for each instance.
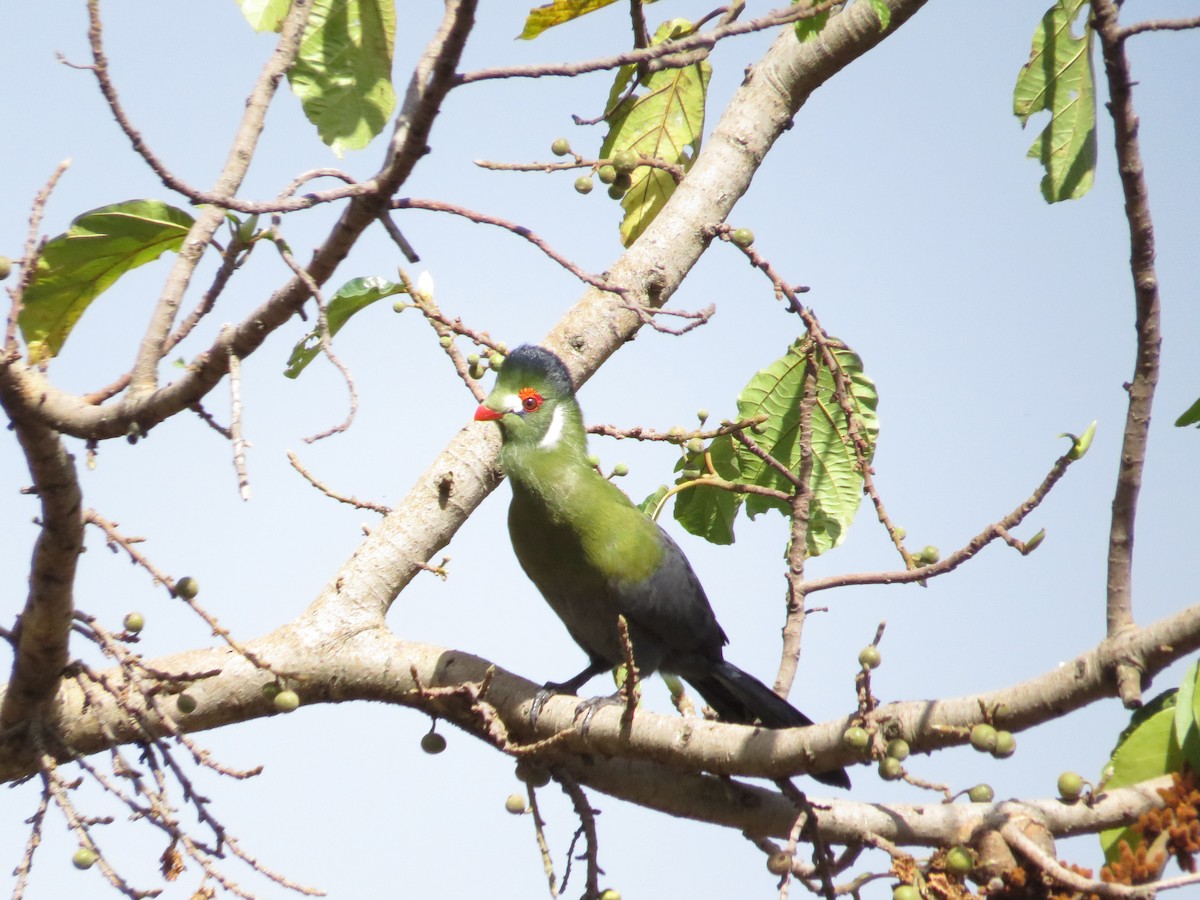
(650, 504)
(665, 122)
(1059, 79)
(542, 17)
(808, 29)
(884, 12)
(353, 297)
(836, 480)
(709, 511)
(83, 262)
(265, 15)
(343, 72)
(1146, 749)
(1185, 712)
(1191, 417)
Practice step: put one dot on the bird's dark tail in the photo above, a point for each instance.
(741, 698)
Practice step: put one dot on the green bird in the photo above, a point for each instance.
(595, 556)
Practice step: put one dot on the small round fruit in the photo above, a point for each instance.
(515, 804)
(743, 237)
(593, 460)
(583, 184)
(187, 587)
(287, 701)
(5, 267)
(702, 415)
(890, 769)
(610, 894)
(496, 360)
(695, 445)
(690, 474)
(870, 657)
(84, 858)
(981, 793)
(185, 703)
(1006, 745)
(615, 193)
(134, 622)
(779, 862)
(900, 532)
(620, 470)
(476, 371)
(623, 181)
(898, 749)
(1070, 786)
(930, 555)
(624, 161)
(606, 174)
(983, 737)
(856, 737)
(905, 892)
(560, 147)
(533, 774)
(959, 861)
(445, 340)
(270, 690)
(433, 743)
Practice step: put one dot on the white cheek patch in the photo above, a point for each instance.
(554, 432)
(512, 403)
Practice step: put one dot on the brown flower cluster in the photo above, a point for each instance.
(1173, 830)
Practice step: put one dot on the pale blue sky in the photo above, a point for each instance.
(989, 321)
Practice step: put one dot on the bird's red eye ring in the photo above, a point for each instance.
(530, 399)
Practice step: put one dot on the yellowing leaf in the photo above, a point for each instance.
(542, 17)
(83, 262)
(1059, 79)
(665, 122)
(343, 72)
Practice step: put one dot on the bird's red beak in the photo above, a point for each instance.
(484, 414)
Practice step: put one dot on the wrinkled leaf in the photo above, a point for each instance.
(343, 72)
(1059, 79)
(836, 480)
(664, 121)
(353, 297)
(80, 264)
(1190, 417)
(542, 17)
(265, 15)
(707, 511)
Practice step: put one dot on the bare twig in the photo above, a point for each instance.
(29, 258)
(329, 492)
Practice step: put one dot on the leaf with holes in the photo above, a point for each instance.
(1059, 79)
(836, 480)
(664, 122)
(82, 263)
(343, 72)
(352, 297)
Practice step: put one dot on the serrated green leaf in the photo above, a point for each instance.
(708, 511)
(665, 122)
(1185, 714)
(80, 264)
(1190, 417)
(343, 72)
(265, 15)
(542, 17)
(836, 480)
(1146, 749)
(353, 297)
(1059, 79)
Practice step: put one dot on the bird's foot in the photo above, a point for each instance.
(539, 700)
(588, 709)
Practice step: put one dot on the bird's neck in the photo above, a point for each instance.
(553, 464)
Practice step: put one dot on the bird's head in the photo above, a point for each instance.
(534, 402)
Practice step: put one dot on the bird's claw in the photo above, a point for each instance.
(539, 700)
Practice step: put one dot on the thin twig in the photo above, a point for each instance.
(329, 492)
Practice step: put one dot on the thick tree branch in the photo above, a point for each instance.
(1149, 336)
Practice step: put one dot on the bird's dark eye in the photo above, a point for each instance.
(530, 399)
